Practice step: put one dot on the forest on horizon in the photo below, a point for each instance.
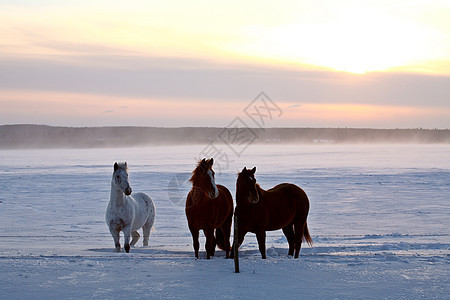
(43, 136)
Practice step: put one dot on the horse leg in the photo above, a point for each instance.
(126, 235)
(298, 229)
(213, 245)
(289, 233)
(150, 221)
(226, 230)
(225, 239)
(261, 237)
(135, 237)
(240, 240)
(210, 242)
(116, 236)
(146, 230)
(194, 233)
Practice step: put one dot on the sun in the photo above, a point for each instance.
(363, 42)
(353, 40)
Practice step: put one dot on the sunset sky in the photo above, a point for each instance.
(380, 64)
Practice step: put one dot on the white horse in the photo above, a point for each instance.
(128, 213)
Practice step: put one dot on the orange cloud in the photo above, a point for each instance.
(78, 109)
(98, 110)
(361, 115)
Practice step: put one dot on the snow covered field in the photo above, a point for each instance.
(379, 218)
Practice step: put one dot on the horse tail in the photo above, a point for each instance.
(220, 239)
(306, 237)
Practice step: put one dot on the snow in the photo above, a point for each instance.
(379, 219)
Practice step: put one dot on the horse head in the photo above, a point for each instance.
(120, 178)
(203, 178)
(246, 186)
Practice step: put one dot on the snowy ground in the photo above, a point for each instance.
(379, 219)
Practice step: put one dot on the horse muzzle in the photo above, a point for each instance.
(213, 195)
(128, 191)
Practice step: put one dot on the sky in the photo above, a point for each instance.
(326, 63)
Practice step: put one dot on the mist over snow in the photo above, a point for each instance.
(41, 136)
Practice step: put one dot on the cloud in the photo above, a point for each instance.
(78, 109)
(160, 91)
(294, 106)
(183, 78)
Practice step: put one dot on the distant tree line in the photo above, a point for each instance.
(41, 136)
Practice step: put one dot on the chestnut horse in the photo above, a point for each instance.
(284, 206)
(209, 207)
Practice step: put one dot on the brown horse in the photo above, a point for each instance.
(284, 206)
(209, 207)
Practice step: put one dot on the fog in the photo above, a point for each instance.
(40, 136)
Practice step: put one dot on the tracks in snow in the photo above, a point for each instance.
(327, 248)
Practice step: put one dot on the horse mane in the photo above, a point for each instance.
(196, 171)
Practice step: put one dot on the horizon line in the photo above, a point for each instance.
(221, 127)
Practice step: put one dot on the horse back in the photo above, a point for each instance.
(290, 193)
(281, 205)
(143, 201)
(144, 209)
(288, 189)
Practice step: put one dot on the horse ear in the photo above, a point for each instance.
(244, 169)
(203, 161)
(253, 171)
(126, 165)
(211, 162)
(116, 166)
